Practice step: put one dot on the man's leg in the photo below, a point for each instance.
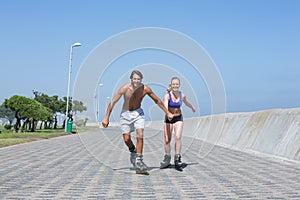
(139, 141)
(131, 147)
(127, 140)
(141, 167)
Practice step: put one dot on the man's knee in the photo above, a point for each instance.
(139, 133)
(126, 138)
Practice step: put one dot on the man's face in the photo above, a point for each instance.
(136, 80)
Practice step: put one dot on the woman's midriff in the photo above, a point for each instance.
(175, 111)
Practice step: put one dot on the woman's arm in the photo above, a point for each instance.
(187, 103)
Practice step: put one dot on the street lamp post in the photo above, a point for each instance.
(98, 101)
(77, 44)
(106, 101)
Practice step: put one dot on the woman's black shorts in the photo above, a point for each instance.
(174, 120)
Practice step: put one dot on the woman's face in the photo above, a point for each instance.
(175, 84)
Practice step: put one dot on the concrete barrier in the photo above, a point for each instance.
(274, 132)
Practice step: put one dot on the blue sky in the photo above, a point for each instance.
(255, 44)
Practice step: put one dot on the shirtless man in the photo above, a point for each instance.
(132, 116)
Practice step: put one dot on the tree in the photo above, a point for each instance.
(78, 106)
(55, 104)
(28, 109)
(7, 113)
(37, 112)
(16, 104)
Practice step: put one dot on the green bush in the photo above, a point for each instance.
(8, 126)
(80, 122)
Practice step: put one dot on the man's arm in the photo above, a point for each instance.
(111, 105)
(157, 100)
(166, 100)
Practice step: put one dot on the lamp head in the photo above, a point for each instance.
(77, 44)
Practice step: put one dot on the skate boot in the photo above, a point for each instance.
(132, 155)
(178, 164)
(166, 162)
(140, 166)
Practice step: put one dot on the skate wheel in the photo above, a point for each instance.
(142, 172)
(179, 169)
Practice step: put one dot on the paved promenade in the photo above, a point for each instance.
(96, 165)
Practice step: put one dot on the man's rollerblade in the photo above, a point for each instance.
(178, 164)
(132, 155)
(166, 162)
(140, 166)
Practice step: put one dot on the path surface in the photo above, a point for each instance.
(96, 165)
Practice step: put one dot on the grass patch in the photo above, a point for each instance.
(8, 138)
(12, 138)
(13, 141)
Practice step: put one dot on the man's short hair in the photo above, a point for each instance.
(136, 72)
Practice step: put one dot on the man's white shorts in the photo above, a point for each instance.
(131, 120)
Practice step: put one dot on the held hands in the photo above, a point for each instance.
(170, 116)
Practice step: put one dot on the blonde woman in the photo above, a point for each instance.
(173, 100)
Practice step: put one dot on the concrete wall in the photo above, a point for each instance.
(274, 132)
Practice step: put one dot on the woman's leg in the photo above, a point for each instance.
(167, 137)
(178, 127)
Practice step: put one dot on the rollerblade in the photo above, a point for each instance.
(166, 162)
(140, 166)
(132, 156)
(177, 161)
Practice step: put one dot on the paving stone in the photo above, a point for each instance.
(96, 165)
